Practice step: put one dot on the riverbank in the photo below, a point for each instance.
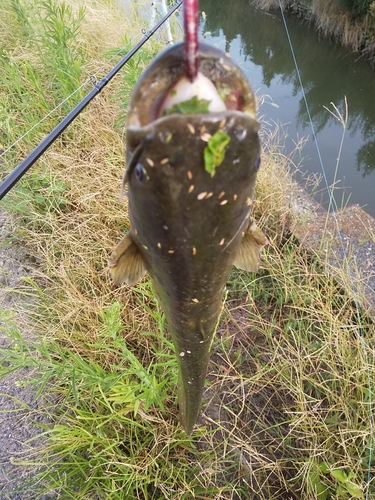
(332, 20)
(345, 241)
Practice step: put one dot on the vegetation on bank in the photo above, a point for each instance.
(350, 22)
(287, 406)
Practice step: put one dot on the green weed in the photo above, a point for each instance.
(39, 193)
(59, 48)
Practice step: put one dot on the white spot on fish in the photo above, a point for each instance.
(202, 195)
(240, 133)
(221, 195)
(135, 231)
(206, 137)
(201, 342)
(195, 300)
(166, 228)
(234, 197)
(191, 128)
(190, 175)
(208, 195)
(249, 201)
(194, 251)
(189, 352)
(182, 354)
(171, 251)
(191, 188)
(222, 241)
(150, 162)
(224, 202)
(159, 245)
(237, 160)
(144, 246)
(164, 161)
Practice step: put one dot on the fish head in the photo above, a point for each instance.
(178, 208)
(168, 68)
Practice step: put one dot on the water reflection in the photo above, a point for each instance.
(259, 42)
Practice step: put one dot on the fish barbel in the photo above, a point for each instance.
(192, 157)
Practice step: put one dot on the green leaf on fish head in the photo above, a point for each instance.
(191, 107)
(214, 152)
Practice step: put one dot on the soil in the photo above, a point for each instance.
(20, 412)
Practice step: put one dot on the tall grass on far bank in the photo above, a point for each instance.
(286, 408)
(333, 20)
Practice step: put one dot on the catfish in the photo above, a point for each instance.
(192, 156)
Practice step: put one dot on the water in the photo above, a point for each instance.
(257, 41)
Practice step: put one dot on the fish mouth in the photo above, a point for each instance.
(215, 69)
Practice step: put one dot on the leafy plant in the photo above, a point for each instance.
(58, 45)
(39, 192)
(214, 152)
(192, 106)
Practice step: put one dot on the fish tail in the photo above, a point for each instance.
(194, 349)
(189, 405)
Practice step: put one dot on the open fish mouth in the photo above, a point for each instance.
(192, 155)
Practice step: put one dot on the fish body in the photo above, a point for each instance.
(189, 224)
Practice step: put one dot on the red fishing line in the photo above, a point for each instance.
(191, 38)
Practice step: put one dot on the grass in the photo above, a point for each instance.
(286, 409)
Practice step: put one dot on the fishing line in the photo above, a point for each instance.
(331, 203)
(91, 79)
(25, 165)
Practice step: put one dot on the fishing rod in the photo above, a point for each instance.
(29, 161)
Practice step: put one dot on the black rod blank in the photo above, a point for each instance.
(29, 161)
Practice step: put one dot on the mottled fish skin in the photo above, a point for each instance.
(187, 225)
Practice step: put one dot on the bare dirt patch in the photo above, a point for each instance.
(20, 410)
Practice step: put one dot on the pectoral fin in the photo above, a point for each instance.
(126, 262)
(248, 255)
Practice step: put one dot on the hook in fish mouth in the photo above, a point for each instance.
(191, 172)
(191, 38)
(164, 83)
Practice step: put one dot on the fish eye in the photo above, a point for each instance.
(257, 163)
(140, 172)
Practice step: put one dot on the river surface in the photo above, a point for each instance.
(257, 41)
